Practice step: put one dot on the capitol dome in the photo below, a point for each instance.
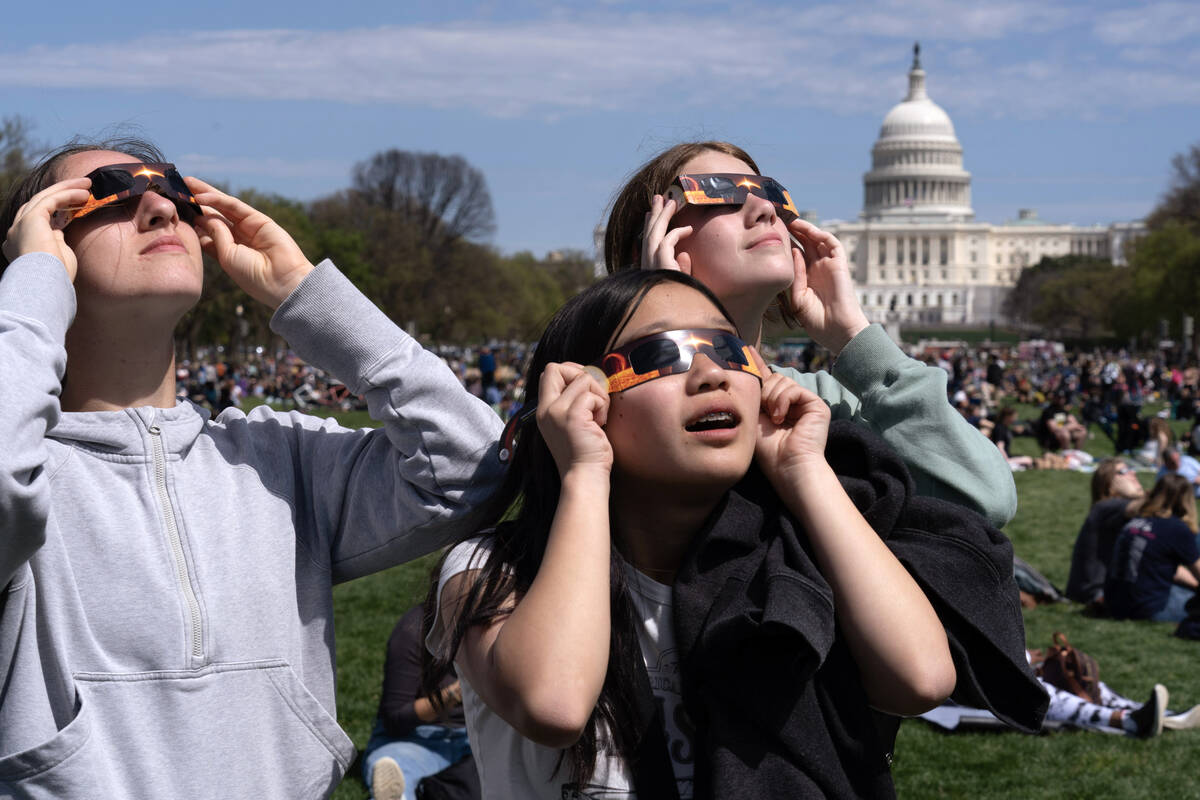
(916, 163)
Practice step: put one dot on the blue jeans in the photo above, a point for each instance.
(428, 749)
(1174, 611)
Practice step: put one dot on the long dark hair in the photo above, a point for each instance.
(46, 172)
(521, 511)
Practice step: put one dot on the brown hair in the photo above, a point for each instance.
(1103, 479)
(1172, 496)
(45, 173)
(623, 236)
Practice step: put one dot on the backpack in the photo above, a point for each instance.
(1066, 668)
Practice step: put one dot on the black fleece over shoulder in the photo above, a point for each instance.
(769, 684)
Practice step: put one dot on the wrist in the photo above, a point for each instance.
(586, 476)
(845, 334)
(284, 288)
(803, 480)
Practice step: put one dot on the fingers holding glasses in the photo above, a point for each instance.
(660, 241)
(39, 223)
(572, 410)
(257, 252)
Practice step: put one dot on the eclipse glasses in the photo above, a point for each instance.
(117, 182)
(731, 188)
(655, 356)
(671, 352)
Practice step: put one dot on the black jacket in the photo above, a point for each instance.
(770, 686)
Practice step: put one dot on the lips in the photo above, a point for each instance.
(716, 419)
(164, 244)
(768, 239)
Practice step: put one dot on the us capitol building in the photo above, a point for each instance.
(916, 251)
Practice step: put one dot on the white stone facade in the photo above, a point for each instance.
(918, 255)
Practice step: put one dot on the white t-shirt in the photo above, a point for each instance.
(656, 635)
(512, 767)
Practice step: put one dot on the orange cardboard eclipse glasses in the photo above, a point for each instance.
(117, 182)
(731, 188)
(650, 357)
(671, 352)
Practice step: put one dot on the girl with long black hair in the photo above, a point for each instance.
(672, 585)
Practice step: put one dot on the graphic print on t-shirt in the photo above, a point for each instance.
(652, 602)
(1128, 559)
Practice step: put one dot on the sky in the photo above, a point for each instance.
(1072, 108)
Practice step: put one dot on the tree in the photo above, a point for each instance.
(225, 314)
(1083, 300)
(1069, 296)
(1166, 275)
(381, 251)
(443, 197)
(1021, 303)
(16, 151)
(1182, 200)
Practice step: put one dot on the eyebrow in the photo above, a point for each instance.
(659, 326)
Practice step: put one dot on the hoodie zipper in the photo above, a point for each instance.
(182, 576)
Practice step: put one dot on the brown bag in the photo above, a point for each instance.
(1071, 670)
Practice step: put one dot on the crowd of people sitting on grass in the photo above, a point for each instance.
(1064, 400)
(1076, 394)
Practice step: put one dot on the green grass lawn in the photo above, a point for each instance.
(929, 763)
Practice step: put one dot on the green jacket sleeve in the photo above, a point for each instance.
(904, 401)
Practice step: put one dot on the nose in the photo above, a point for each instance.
(706, 375)
(156, 211)
(758, 209)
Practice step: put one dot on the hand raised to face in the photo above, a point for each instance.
(260, 256)
(38, 225)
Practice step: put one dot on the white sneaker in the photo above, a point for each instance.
(387, 780)
(1180, 722)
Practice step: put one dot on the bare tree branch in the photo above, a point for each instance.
(444, 197)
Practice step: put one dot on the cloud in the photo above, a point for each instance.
(1149, 25)
(834, 58)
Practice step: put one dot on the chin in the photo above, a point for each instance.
(715, 475)
(704, 476)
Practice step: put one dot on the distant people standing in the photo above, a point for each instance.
(487, 367)
(994, 381)
(1002, 435)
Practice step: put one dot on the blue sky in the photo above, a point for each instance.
(1072, 108)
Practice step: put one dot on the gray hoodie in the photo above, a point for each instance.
(166, 621)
